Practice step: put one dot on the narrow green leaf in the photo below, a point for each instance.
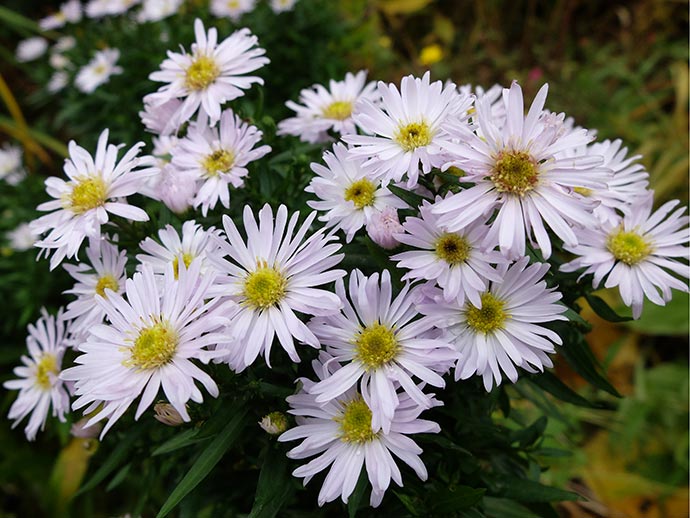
(524, 490)
(414, 200)
(185, 438)
(460, 497)
(355, 500)
(119, 477)
(580, 357)
(504, 508)
(274, 486)
(605, 311)
(550, 383)
(203, 465)
(529, 435)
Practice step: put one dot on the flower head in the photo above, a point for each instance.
(98, 71)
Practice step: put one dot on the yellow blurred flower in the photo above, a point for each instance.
(431, 54)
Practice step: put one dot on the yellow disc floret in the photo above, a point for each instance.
(202, 72)
(375, 346)
(489, 318)
(88, 193)
(154, 347)
(355, 423)
(46, 368)
(338, 110)
(628, 247)
(107, 281)
(515, 172)
(452, 248)
(187, 259)
(413, 135)
(220, 161)
(361, 193)
(264, 287)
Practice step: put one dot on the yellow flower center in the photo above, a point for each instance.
(45, 369)
(107, 281)
(202, 72)
(414, 135)
(584, 191)
(220, 161)
(515, 172)
(186, 259)
(154, 347)
(361, 193)
(452, 248)
(339, 110)
(88, 193)
(234, 4)
(628, 247)
(375, 346)
(355, 423)
(264, 287)
(489, 318)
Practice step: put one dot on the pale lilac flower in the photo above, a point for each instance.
(31, 49)
(22, 238)
(98, 71)
(280, 6)
(156, 10)
(233, 9)
(70, 12)
(384, 226)
(11, 169)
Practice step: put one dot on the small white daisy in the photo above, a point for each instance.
(636, 253)
(100, 8)
(233, 9)
(382, 345)
(503, 332)
(212, 74)
(341, 434)
(31, 49)
(270, 277)
(406, 127)
(324, 109)
(281, 6)
(95, 187)
(217, 157)
(11, 169)
(159, 116)
(38, 384)
(98, 71)
(150, 343)
(22, 238)
(156, 10)
(347, 193)
(70, 12)
(456, 261)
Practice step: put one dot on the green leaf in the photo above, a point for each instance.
(524, 490)
(274, 486)
(119, 477)
(605, 311)
(529, 435)
(206, 461)
(178, 441)
(355, 500)
(460, 497)
(580, 357)
(550, 383)
(668, 320)
(504, 508)
(414, 200)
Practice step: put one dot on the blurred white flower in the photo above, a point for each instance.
(98, 70)
(31, 48)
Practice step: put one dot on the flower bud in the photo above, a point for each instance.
(166, 414)
(274, 423)
(382, 227)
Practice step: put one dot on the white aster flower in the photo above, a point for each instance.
(196, 243)
(31, 49)
(383, 227)
(105, 270)
(64, 43)
(59, 61)
(70, 12)
(95, 187)
(381, 345)
(98, 71)
(503, 332)
(156, 10)
(11, 169)
(150, 343)
(57, 81)
(456, 261)
(341, 434)
(22, 238)
(280, 6)
(38, 384)
(636, 253)
(233, 9)
(516, 170)
(217, 157)
(212, 74)
(100, 8)
(270, 277)
(159, 116)
(347, 194)
(324, 109)
(408, 127)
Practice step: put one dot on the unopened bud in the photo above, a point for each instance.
(167, 414)
(274, 423)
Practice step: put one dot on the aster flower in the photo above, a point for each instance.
(456, 261)
(217, 157)
(158, 115)
(38, 384)
(407, 126)
(156, 10)
(153, 337)
(100, 8)
(341, 434)
(233, 9)
(383, 227)
(381, 346)
(31, 49)
(324, 109)
(70, 12)
(11, 169)
(271, 276)
(347, 193)
(21, 238)
(98, 71)
(281, 6)
(94, 188)
(637, 253)
(196, 243)
(503, 332)
(57, 81)
(212, 74)
(516, 170)
(106, 270)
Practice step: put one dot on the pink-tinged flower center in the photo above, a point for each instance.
(154, 347)
(338, 110)
(515, 172)
(413, 135)
(489, 317)
(375, 346)
(628, 247)
(88, 193)
(452, 248)
(106, 282)
(46, 368)
(264, 287)
(355, 423)
(220, 161)
(361, 193)
(201, 73)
